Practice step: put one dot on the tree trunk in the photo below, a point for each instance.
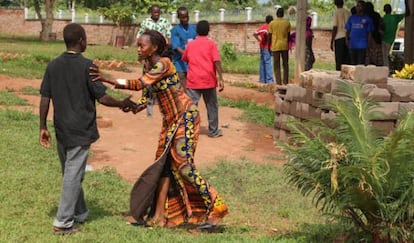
(300, 38)
(409, 33)
(47, 23)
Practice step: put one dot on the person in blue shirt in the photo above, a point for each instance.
(181, 34)
(358, 31)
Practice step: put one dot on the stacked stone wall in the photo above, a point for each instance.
(306, 100)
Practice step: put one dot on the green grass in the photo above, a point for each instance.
(8, 98)
(263, 208)
(252, 112)
(34, 55)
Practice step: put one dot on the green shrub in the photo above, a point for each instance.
(228, 52)
(351, 170)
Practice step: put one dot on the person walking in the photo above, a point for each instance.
(265, 65)
(181, 34)
(67, 83)
(181, 194)
(391, 22)
(204, 65)
(279, 34)
(338, 41)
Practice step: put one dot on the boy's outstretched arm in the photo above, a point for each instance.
(44, 135)
(219, 71)
(126, 104)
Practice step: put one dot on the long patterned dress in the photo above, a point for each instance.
(190, 198)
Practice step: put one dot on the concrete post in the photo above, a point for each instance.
(101, 19)
(196, 15)
(86, 18)
(60, 13)
(73, 15)
(173, 17)
(314, 16)
(26, 12)
(222, 10)
(249, 13)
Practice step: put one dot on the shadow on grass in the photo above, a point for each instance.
(334, 232)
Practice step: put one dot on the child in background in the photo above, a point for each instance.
(203, 65)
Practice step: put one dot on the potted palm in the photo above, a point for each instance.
(353, 171)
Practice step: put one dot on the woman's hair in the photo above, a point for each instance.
(157, 39)
(72, 34)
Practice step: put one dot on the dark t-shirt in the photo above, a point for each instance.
(67, 82)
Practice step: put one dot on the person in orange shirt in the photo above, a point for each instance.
(279, 32)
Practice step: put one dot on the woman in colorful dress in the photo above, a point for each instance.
(181, 195)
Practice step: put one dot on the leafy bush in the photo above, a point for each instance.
(352, 170)
(119, 14)
(228, 52)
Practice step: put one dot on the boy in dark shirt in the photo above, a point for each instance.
(67, 83)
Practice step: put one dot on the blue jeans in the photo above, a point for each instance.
(265, 67)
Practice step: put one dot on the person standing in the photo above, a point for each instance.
(374, 50)
(358, 31)
(67, 83)
(265, 66)
(279, 33)
(181, 34)
(391, 22)
(162, 25)
(204, 65)
(338, 42)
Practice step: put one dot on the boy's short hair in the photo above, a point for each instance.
(269, 18)
(387, 8)
(203, 27)
(339, 3)
(280, 12)
(73, 33)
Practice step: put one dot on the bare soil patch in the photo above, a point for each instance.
(128, 142)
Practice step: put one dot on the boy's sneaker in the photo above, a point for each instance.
(219, 133)
(65, 231)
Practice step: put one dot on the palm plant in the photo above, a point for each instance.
(352, 171)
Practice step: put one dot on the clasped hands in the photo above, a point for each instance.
(129, 105)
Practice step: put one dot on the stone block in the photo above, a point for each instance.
(377, 94)
(347, 72)
(317, 98)
(387, 111)
(284, 136)
(293, 108)
(328, 118)
(295, 93)
(286, 106)
(302, 110)
(383, 127)
(314, 112)
(405, 107)
(370, 74)
(278, 104)
(401, 90)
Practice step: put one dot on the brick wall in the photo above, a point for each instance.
(240, 34)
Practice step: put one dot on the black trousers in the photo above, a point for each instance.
(341, 53)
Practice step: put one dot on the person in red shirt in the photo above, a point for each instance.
(204, 65)
(265, 66)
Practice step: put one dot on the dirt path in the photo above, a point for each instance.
(128, 141)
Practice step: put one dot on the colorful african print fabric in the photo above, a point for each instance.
(162, 25)
(190, 199)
